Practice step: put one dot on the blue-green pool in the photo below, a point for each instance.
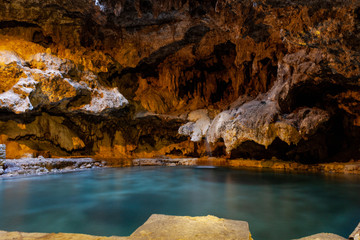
(117, 201)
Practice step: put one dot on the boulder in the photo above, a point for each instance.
(188, 228)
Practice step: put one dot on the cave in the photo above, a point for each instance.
(211, 106)
(184, 66)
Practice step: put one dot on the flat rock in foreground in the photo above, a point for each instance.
(159, 227)
(164, 227)
(323, 236)
(177, 227)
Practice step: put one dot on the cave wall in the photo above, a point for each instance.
(119, 78)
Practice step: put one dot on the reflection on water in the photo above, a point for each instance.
(117, 201)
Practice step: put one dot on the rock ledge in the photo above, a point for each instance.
(41, 165)
(164, 227)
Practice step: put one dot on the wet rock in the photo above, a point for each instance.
(41, 170)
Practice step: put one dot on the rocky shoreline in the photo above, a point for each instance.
(41, 165)
(352, 167)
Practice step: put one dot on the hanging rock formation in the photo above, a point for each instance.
(145, 78)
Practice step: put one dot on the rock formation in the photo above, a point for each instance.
(41, 165)
(144, 78)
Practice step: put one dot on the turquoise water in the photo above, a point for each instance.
(117, 201)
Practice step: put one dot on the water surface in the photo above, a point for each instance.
(117, 201)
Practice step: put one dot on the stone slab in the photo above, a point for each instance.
(323, 236)
(164, 227)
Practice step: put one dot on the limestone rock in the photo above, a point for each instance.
(198, 125)
(44, 82)
(41, 165)
(273, 115)
(323, 236)
(261, 121)
(176, 227)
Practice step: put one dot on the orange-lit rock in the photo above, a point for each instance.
(44, 79)
(277, 78)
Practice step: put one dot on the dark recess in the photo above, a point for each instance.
(146, 6)
(224, 55)
(39, 38)
(253, 150)
(308, 94)
(15, 24)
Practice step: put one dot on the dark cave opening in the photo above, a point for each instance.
(309, 95)
(146, 6)
(223, 58)
(221, 88)
(39, 38)
(330, 143)
(219, 148)
(252, 150)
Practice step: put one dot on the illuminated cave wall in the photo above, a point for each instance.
(146, 78)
